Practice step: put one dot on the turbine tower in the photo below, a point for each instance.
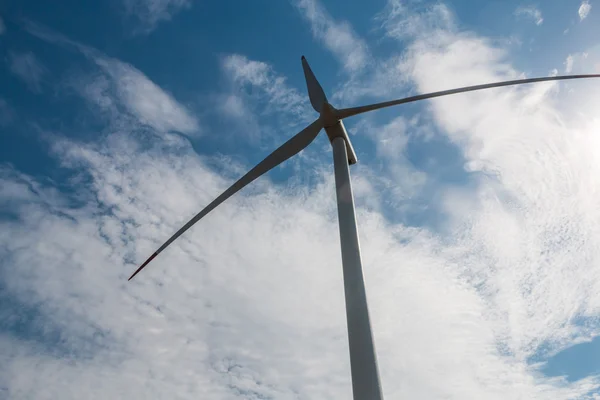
(363, 359)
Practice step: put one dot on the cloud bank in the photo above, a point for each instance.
(234, 310)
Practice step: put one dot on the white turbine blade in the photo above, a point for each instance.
(315, 91)
(349, 112)
(286, 151)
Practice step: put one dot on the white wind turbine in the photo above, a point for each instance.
(363, 361)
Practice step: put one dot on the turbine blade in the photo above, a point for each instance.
(315, 91)
(349, 112)
(286, 151)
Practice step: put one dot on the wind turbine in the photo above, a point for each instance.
(363, 360)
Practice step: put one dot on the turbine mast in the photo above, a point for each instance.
(363, 360)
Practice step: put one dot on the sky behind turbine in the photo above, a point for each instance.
(478, 213)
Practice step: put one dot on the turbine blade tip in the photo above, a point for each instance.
(142, 266)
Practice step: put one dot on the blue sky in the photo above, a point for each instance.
(478, 213)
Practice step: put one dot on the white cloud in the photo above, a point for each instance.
(338, 37)
(396, 181)
(144, 99)
(504, 133)
(401, 21)
(260, 101)
(151, 12)
(384, 78)
(122, 85)
(215, 356)
(234, 106)
(233, 310)
(530, 12)
(586, 62)
(28, 68)
(370, 77)
(258, 80)
(584, 10)
(569, 64)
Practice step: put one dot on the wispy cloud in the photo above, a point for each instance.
(384, 77)
(569, 64)
(439, 58)
(232, 310)
(401, 20)
(203, 316)
(141, 97)
(531, 215)
(144, 99)
(257, 83)
(395, 179)
(338, 37)
(28, 68)
(126, 177)
(150, 13)
(530, 12)
(587, 61)
(584, 10)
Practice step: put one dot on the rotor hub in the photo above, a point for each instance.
(328, 115)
